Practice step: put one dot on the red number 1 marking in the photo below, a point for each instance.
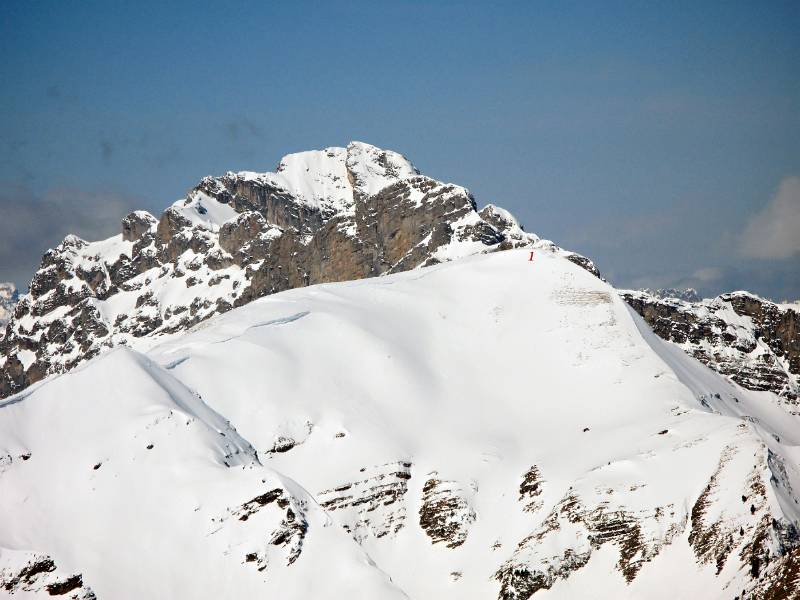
(531, 256)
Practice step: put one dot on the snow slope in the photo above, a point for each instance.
(490, 427)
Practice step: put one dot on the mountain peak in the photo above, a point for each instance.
(335, 214)
(324, 215)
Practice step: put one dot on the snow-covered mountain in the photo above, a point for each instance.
(194, 409)
(492, 427)
(8, 298)
(329, 215)
(753, 341)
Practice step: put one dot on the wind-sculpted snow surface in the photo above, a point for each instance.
(492, 427)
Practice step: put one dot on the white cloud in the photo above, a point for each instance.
(775, 231)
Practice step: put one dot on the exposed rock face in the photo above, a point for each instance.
(331, 215)
(592, 526)
(446, 513)
(748, 536)
(288, 534)
(136, 225)
(32, 574)
(372, 504)
(8, 298)
(753, 341)
(530, 489)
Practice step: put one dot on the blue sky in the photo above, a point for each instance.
(661, 139)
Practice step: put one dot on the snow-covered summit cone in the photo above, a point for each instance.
(325, 215)
(492, 427)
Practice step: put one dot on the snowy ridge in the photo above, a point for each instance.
(491, 427)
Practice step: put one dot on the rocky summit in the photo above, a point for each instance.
(327, 215)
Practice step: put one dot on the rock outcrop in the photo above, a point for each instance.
(748, 542)
(446, 514)
(8, 298)
(753, 341)
(31, 574)
(372, 504)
